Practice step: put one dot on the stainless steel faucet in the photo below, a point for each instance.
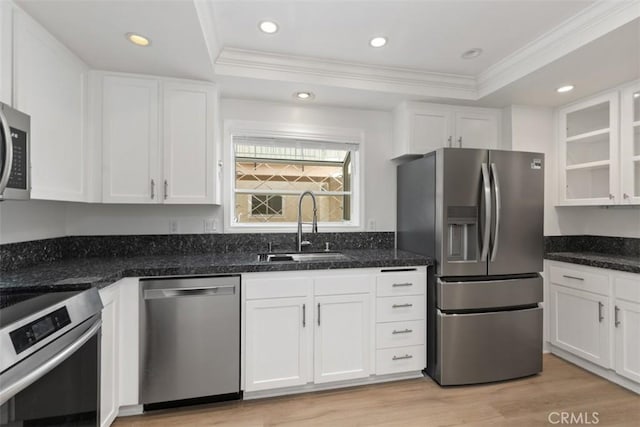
(314, 223)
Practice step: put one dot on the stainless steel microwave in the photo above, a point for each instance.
(15, 166)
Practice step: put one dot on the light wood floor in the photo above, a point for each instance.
(526, 402)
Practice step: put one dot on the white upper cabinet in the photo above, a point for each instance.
(6, 42)
(157, 139)
(599, 149)
(130, 144)
(189, 117)
(49, 84)
(630, 143)
(422, 127)
(588, 151)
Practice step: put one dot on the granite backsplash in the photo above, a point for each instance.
(24, 254)
(621, 246)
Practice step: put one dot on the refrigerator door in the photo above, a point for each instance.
(517, 236)
(463, 208)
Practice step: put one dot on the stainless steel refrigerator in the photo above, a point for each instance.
(479, 214)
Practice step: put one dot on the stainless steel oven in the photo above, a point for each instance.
(50, 359)
(15, 166)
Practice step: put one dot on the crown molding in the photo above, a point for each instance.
(591, 23)
(206, 16)
(308, 70)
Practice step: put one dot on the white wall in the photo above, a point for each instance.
(379, 171)
(31, 220)
(533, 129)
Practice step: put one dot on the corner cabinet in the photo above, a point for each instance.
(421, 127)
(594, 320)
(157, 139)
(599, 149)
(301, 331)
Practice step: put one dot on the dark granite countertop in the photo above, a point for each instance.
(593, 259)
(100, 272)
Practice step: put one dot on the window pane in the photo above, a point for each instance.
(273, 175)
(330, 209)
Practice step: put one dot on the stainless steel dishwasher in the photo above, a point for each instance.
(189, 340)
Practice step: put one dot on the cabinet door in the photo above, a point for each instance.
(278, 343)
(588, 152)
(188, 139)
(579, 324)
(49, 84)
(476, 130)
(627, 347)
(6, 42)
(429, 130)
(109, 347)
(342, 338)
(630, 144)
(130, 145)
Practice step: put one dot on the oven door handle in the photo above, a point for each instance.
(7, 391)
(5, 171)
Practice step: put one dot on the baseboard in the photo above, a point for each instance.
(130, 410)
(308, 388)
(607, 374)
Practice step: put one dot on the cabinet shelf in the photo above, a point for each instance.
(591, 165)
(588, 135)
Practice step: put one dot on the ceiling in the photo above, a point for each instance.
(529, 47)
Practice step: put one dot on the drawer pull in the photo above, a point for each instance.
(401, 305)
(398, 285)
(573, 277)
(406, 331)
(406, 356)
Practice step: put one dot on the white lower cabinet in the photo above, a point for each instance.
(594, 314)
(320, 328)
(342, 337)
(109, 354)
(278, 341)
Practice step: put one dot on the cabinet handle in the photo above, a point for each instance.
(318, 314)
(611, 196)
(401, 305)
(398, 285)
(573, 277)
(460, 142)
(615, 316)
(153, 189)
(406, 356)
(166, 189)
(406, 331)
(600, 315)
(449, 141)
(304, 315)
(625, 195)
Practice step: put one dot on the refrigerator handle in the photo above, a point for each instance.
(487, 212)
(496, 232)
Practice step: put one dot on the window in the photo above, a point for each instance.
(270, 174)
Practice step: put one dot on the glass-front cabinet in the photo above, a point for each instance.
(630, 143)
(588, 152)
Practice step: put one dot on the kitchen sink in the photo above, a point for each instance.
(303, 256)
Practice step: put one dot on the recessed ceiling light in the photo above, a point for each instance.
(636, 95)
(378, 41)
(563, 89)
(472, 53)
(305, 96)
(268, 27)
(137, 39)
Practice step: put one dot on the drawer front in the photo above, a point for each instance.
(289, 287)
(578, 278)
(401, 359)
(400, 334)
(394, 309)
(627, 286)
(392, 284)
(344, 284)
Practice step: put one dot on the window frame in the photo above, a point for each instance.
(233, 128)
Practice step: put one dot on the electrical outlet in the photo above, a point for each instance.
(210, 225)
(173, 226)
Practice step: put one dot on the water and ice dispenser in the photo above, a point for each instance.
(462, 233)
